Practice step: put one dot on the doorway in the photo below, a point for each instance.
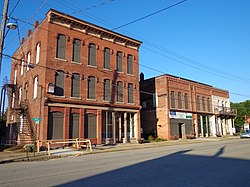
(181, 126)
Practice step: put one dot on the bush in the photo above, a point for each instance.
(151, 138)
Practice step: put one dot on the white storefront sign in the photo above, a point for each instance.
(180, 115)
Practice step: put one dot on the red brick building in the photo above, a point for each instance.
(79, 79)
(174, 107)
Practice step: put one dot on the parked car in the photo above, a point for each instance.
(245, 134)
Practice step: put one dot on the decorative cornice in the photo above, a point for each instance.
(91, 29)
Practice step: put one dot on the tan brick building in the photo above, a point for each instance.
(79, 79)
(174, 107)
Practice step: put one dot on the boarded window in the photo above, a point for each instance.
(130, 64)
(61, 46)
(90, 126)
(119, 92)
(130, 93)
(208, 104)
(76, 50)
(179, 100)
(106, 90)
(92, 55)
(186, 101)
(119, 61)
(74, 126)
(59, 83)
(38, 48)
(55, 125)
(172, 99)
(75, 90)
(91, 88)
(198, 103)
(107, 58)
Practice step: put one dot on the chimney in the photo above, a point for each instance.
(141, 76)
(36, 23)
(28, 33)
(22, 40)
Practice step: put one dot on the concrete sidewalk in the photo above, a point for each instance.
(7, 157)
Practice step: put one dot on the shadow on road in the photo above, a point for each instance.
(178, 169)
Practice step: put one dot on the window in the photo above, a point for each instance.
(26, 86)
(92, 55)
(61, 46)
(15, 74)
(119, 92)
(119, 61)
(28, 61)
(59, 83)
(172, 99)
(106, 90)
(90, 126)
(107, 58)
(179, 100)
(22, 66)
(130, 64)
(13, 100)
(38, 46)
(55, 125)
(198, 103)
(91, 88)
(76, 50)
(19, 95)
(74, 126)
(35, 88)
(208, 104)
(203, 104)
(130, 93)
(21, 124)
(75, 85)
(186, 101)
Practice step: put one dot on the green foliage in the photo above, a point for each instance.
(243, 109)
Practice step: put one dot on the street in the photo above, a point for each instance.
(215, 163)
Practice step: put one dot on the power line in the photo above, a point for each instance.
(14, 7)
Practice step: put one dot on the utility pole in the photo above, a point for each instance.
(3, 25)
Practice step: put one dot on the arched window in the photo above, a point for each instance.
(119, 91)
(203, 104)
(28, 60)
(179, 100)
(61, 46)
(208, 104)
(172, 99)
(59, 83)
(106, 58)
(91, 87)
(38, 48)
(119, 61)
(130, 64)
(35, 91)
(186, 101)
(130, 93)
(106, 86)
(22, 66)
(75, 85)
(92, 55)
(76, 50)
(198, 103)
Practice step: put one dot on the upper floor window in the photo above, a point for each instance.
(76, 50)
(119, 92)
(61, 46)
(15, 76)
(179, 100)
(198, 103)
(208, 104)
(22, 66)
(130, 93)
(106, 91)
(13, 100)
(91, 87)
(28, 60)
(35, 91)
(186, 101)
(119, 61)
(106, 58)
(203, 104)
(92, 54)
(38, 48)
(75, 85)
(130, 64)
(172, 99)
(59, 83)
(19, 95)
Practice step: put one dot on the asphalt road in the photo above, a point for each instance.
(217, 163)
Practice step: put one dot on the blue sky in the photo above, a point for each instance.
(203, 40)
